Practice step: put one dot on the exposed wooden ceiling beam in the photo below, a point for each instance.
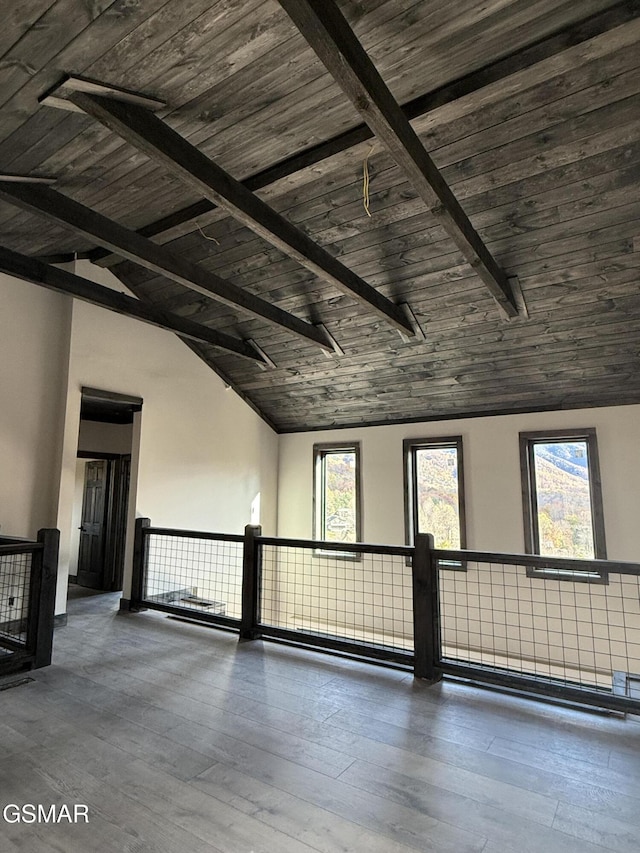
(326, 30)
(33, 270)
(27, 179)
(61, 209)
(510, 64)
(56, 95)
(157, 140)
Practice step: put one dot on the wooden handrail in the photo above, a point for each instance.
(20, 547)
(535, 560)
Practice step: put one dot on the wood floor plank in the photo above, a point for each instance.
(295, 751)
(567, 765)
(92, 754)
(289, 695)
(327, 832)
(36, 723)
(430, 771)
(13, 741)
(135, 710)
(624, 759)
(494, 823)
(594, 827)
(204, 816)
(493, 710)
(561, 842)
(178, 760)
(7, 846)
(400, 823)
(43, 781)
(212, 685)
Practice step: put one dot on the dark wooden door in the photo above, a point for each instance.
(92, 530)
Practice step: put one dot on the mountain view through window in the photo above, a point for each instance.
(563, 498)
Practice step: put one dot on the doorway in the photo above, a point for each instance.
(101, 503)
(103, 521)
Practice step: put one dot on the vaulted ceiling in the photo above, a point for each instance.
(514, 288)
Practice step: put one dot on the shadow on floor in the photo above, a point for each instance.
(81, 599)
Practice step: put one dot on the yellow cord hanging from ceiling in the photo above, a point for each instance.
(206, 236)
(365, 182)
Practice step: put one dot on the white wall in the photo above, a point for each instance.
(492, 476)
(34, 341)
(201, 454)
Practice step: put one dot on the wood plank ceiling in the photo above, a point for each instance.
(540, 146)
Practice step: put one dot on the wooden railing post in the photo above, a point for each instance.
(251, 562)
(42, 601)
(139, 563)
(426, 611)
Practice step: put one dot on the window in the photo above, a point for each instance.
(336, 489)
(562, 499)
(434, 492)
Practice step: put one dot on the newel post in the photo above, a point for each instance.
(44, 577)
(251, 563)
(426, 611)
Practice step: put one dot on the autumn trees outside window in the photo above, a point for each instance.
(336, 489)
(434, 491)
(562, 501)
(562, 497)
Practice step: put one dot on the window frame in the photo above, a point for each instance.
(320, 452)
(528, 440)
(409, 447)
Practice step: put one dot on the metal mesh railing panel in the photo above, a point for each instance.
(575, 632)
(15, 576)
(198, 575)
(366, 599)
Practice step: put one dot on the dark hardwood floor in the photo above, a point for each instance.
(180, 739)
